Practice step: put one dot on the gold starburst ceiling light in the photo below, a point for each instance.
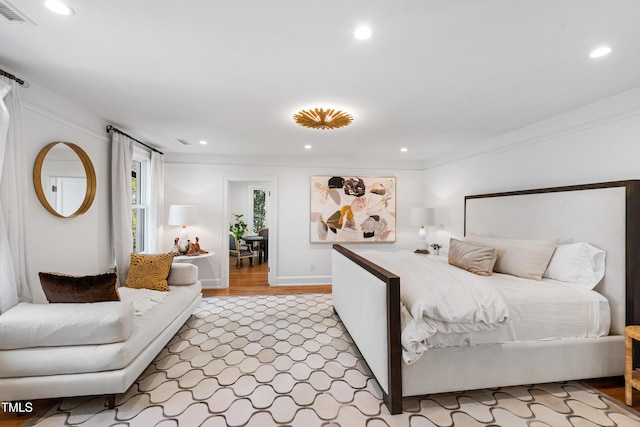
(319, 118)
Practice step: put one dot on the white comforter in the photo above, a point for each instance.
(440, 299)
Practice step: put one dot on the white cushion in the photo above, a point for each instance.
(182, 274)
(579, 263)
(45, 325)
(519, 257)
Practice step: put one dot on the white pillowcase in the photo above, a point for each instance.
(182, 274)
(578, 263)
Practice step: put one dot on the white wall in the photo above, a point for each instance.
(238, 193)
(295, 254)
(599, 142)
(596, 143)
(78, 245)
(82, 245)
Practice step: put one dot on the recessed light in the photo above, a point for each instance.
(600, 52)
(404, 150)
(307, 147)
(362, 33)
(58, 7)
(203, 142)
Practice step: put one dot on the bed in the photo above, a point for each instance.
(603, 214)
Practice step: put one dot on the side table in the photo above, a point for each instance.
(631, 375)
(192, 258)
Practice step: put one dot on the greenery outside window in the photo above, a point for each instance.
(259, 209)
(140, 201)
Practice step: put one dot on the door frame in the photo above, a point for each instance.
(271, 204)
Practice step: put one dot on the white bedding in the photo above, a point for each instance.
(440, 298)
(143, 300)
(533, 310)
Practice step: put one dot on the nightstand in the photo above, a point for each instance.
(631, 376)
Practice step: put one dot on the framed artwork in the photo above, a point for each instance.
(353, 209)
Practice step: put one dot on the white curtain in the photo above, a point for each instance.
(121, 156)
(156, 202)
(13, 175)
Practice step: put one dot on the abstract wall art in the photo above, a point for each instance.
(353, 209)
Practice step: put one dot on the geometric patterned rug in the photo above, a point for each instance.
(287, 360)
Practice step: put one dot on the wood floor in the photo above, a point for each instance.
(248, 280)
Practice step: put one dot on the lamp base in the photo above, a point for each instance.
(184, 239)
(423, 245)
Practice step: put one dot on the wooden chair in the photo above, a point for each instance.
(236, 251)
(264, 233)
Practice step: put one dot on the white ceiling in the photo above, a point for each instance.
(437, 75)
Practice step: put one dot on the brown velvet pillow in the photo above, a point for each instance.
(64, 288)
(475, 259)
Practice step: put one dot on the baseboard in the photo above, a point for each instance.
(303, 281)
(211, 283)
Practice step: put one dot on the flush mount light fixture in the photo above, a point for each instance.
(58, 7)
(600, 52)
(320, 118)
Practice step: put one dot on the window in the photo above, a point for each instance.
(257, 206)
(259, 210)
(140, 200)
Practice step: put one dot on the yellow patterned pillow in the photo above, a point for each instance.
(149, 271)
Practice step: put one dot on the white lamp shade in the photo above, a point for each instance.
(183, 215)
(422, 216)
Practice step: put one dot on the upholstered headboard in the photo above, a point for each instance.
(606, 215)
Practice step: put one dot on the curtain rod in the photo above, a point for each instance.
(111, 128)
(12, 77)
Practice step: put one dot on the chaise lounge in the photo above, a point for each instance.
(77, 349)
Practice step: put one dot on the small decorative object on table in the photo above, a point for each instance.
(176, 247)
(191, 249)
(436, 248)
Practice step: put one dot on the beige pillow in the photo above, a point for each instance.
(519, 257)
(476, 259)
(149, 271)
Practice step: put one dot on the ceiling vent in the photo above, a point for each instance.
(12, 14)
(183, 141)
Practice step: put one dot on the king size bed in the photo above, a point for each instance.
(531, 329)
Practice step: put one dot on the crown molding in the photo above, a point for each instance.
(51, 115)
(575, 121)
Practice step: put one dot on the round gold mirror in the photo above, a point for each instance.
(64, 179)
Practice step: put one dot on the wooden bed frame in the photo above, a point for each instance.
(367, 297)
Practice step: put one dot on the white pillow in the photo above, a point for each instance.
(182, 274)
(578, 263)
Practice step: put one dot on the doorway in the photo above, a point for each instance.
(249, 203)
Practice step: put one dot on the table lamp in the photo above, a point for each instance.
(422, 216)
(183, 215)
